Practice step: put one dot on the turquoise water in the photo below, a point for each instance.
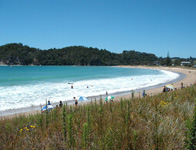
(21, 75)
(24, 86)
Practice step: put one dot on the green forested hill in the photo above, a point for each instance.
(19, 54)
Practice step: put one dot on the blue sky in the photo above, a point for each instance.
(151, 26)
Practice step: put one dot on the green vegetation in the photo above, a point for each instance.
(165, 121)
(191, 132)
(17, 54)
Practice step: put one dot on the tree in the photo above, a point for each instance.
(168, 60)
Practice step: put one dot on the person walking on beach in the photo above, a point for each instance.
(164, 89)
(144, 93)
(60, 104)
(182, 86)
(76, 101)
(106, 94)
(49, 103)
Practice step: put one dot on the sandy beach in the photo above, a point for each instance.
(190, 78)
(187, 80)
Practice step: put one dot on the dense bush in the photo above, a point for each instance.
(17, 54)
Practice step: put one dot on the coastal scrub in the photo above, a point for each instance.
(164, 121)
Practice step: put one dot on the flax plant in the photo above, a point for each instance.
(70, 132)
(132, 94)
(128, 113)
(64, 123)
(85, 135)
(191, 132)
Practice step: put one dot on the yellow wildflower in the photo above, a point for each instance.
(26, 128)
(163, 103)
(32, 126)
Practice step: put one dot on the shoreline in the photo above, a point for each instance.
(187, 76)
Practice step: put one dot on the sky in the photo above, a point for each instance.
(150, 26)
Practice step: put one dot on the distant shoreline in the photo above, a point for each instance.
(187, 77)
(184, 76)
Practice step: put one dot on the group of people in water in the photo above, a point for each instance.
(86, 86)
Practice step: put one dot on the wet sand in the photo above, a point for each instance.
(187, 76)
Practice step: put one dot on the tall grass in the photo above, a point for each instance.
(165, 121)
(191, 132)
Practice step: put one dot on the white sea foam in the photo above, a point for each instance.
(14, 97)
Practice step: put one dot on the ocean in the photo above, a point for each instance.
(26, 86)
